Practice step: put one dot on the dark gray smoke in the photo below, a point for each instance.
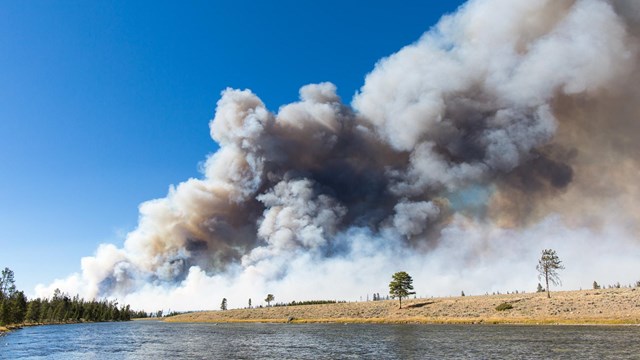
(508, 119)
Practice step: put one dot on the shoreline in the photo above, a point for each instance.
(579, 307)
(8, 328)
(426, 321)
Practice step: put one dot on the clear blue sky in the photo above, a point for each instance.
(104, 104)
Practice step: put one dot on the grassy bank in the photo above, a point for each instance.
(607, 307)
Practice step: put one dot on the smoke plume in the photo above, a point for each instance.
(507, 128)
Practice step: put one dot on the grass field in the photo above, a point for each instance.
(606, 306)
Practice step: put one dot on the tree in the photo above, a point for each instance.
(401, 286)
(596, 286)
(269, 299)
(18, 307)
(33, 311)
(223, 306)
(540, 288)
(5, 313)
(7, 284)
(548, 267)
(249, 303)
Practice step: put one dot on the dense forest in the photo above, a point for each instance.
(16, 309)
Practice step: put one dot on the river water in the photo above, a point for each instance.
(158, 340)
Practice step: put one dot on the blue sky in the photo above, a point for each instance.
(104, 104)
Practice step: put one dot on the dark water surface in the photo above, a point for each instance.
(157, 340)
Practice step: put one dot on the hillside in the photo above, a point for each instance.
(606, 306)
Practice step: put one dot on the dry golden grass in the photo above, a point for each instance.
(606, 306)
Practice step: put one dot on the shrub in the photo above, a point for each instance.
(504, 306)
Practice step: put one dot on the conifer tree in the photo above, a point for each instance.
(7, 283)
(401, 286)
(269, 299)
(548, 267)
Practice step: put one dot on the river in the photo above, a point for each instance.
(157, 340)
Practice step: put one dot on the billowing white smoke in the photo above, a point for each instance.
(460, 159)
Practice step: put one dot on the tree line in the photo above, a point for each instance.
(270, 298)
(308, 302)
(16, 309)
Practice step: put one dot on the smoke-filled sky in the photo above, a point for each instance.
(457, 155)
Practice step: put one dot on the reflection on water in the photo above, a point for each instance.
(157, 340)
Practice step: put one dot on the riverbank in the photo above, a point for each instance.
(7, 328)
(606, 306)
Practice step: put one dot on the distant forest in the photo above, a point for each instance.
(16, 309)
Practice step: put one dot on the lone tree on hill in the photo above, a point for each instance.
(269, 299)
(548, 267)
(223, 306)
(401, 286)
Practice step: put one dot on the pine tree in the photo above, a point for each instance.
(548, 267)
(223, 305)
(18, 307)
(33, 311)
(400, 286)
(5, 314)
(269, 299)
(7, 284)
